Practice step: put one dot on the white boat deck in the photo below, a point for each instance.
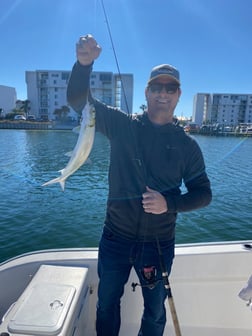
(205, 281)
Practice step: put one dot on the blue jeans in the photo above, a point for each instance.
(116, 258)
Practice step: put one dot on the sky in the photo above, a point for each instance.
(209, 41)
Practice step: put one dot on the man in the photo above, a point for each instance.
(150, 157)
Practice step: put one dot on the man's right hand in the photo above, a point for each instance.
(87, 50)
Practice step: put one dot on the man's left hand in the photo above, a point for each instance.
(154, 202)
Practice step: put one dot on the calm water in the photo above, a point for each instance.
(32, 217)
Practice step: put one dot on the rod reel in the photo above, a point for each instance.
(149, 275)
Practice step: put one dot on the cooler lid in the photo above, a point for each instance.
(43, 310)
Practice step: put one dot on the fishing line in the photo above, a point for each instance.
(138, 158)
(217, 164)
(9, 11)
(116, 59)
(144, 176)
(95, 16)
(232, 150)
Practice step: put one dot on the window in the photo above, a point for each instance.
(105, 77)
(44, 75)
(44, 104)
(65, 75)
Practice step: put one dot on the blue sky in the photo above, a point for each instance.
(208, 41)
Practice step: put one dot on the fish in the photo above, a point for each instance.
(82, 148)
(246, 292)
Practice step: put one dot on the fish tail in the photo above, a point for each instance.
(56, 180)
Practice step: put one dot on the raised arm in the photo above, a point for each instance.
(87, 50)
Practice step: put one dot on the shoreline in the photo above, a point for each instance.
(54, 125)
(222, 134)
(36, 125)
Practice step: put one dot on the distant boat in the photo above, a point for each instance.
(192, 128)
(54, 292)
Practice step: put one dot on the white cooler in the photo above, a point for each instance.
(51, 304)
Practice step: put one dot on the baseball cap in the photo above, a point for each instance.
(164, 70)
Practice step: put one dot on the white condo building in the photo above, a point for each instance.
(227, 109)
(46, 91)
(8, 98)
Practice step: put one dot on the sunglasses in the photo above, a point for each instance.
(158, 87)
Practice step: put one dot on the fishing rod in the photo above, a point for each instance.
(165, 275)
(152, 282)
(116, 59)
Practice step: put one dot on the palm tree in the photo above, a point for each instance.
(26, 107)
(143, 107)
(23, 106)
(65, 110)
(58, 113)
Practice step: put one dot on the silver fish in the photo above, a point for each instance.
(246, 293)
(82, 148)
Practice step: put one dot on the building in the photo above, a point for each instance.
(226, 109)
(113, 89)
(201, 108)
(46, 91)
(8, 97)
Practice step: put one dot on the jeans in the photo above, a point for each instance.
(116, 258)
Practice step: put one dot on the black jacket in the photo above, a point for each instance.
(143, 154)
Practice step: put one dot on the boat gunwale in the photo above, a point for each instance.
(92, 252)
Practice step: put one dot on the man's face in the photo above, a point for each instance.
(162, 96)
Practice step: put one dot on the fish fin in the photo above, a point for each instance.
(246, 292)
(56, 180)
(76, 129)
(62, 184)
(69, 154)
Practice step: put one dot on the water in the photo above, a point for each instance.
(34, 217)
